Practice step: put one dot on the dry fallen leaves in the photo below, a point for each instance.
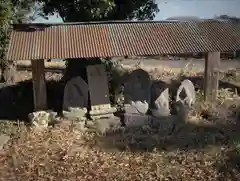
(196, 152)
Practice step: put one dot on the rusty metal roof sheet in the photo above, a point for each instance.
(81, 40)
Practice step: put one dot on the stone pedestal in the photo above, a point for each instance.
(102, 111)
(75, 114)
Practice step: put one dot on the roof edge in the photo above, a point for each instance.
(117, 22)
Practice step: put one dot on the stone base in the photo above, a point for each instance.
(77, 109)
(136, 119)
(102, 116)
(102, 113)
(75, 116)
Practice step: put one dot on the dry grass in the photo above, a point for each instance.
(27, 63)
(206, 148)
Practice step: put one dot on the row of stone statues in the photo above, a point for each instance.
(142, 97)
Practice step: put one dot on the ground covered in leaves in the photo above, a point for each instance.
(205, 148)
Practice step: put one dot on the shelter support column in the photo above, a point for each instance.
(39, 85)
(211, 76)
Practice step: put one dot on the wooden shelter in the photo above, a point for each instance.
(37, 42)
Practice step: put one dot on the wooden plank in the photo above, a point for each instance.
(39, 85)
(211, 76)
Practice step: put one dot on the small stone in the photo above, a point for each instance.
(40, 119)
(3, 140)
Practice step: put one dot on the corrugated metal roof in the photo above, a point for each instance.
(78, 40)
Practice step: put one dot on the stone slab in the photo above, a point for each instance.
(75, 116)
(137, 87)
(137, 92)
(75, 94)
(98, 85)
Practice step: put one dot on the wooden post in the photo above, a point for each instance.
(39, 85)
(211, 76)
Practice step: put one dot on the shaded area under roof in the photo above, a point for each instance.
(110, 39)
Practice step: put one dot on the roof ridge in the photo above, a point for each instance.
(122, 22)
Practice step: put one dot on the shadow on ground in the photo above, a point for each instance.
(222, 126)
(16, 101)
(183, 139)
(221, 129)
(229, 165)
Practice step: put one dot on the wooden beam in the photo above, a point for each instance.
(39, 85)
(211, 76)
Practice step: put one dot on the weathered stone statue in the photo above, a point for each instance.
(75, 99)
(137, 92)
(186, 93)
(161, 104)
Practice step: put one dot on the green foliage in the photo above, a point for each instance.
(11, 11)
(95, 10)
(5, 20)
(20, 9)
(229, 18)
